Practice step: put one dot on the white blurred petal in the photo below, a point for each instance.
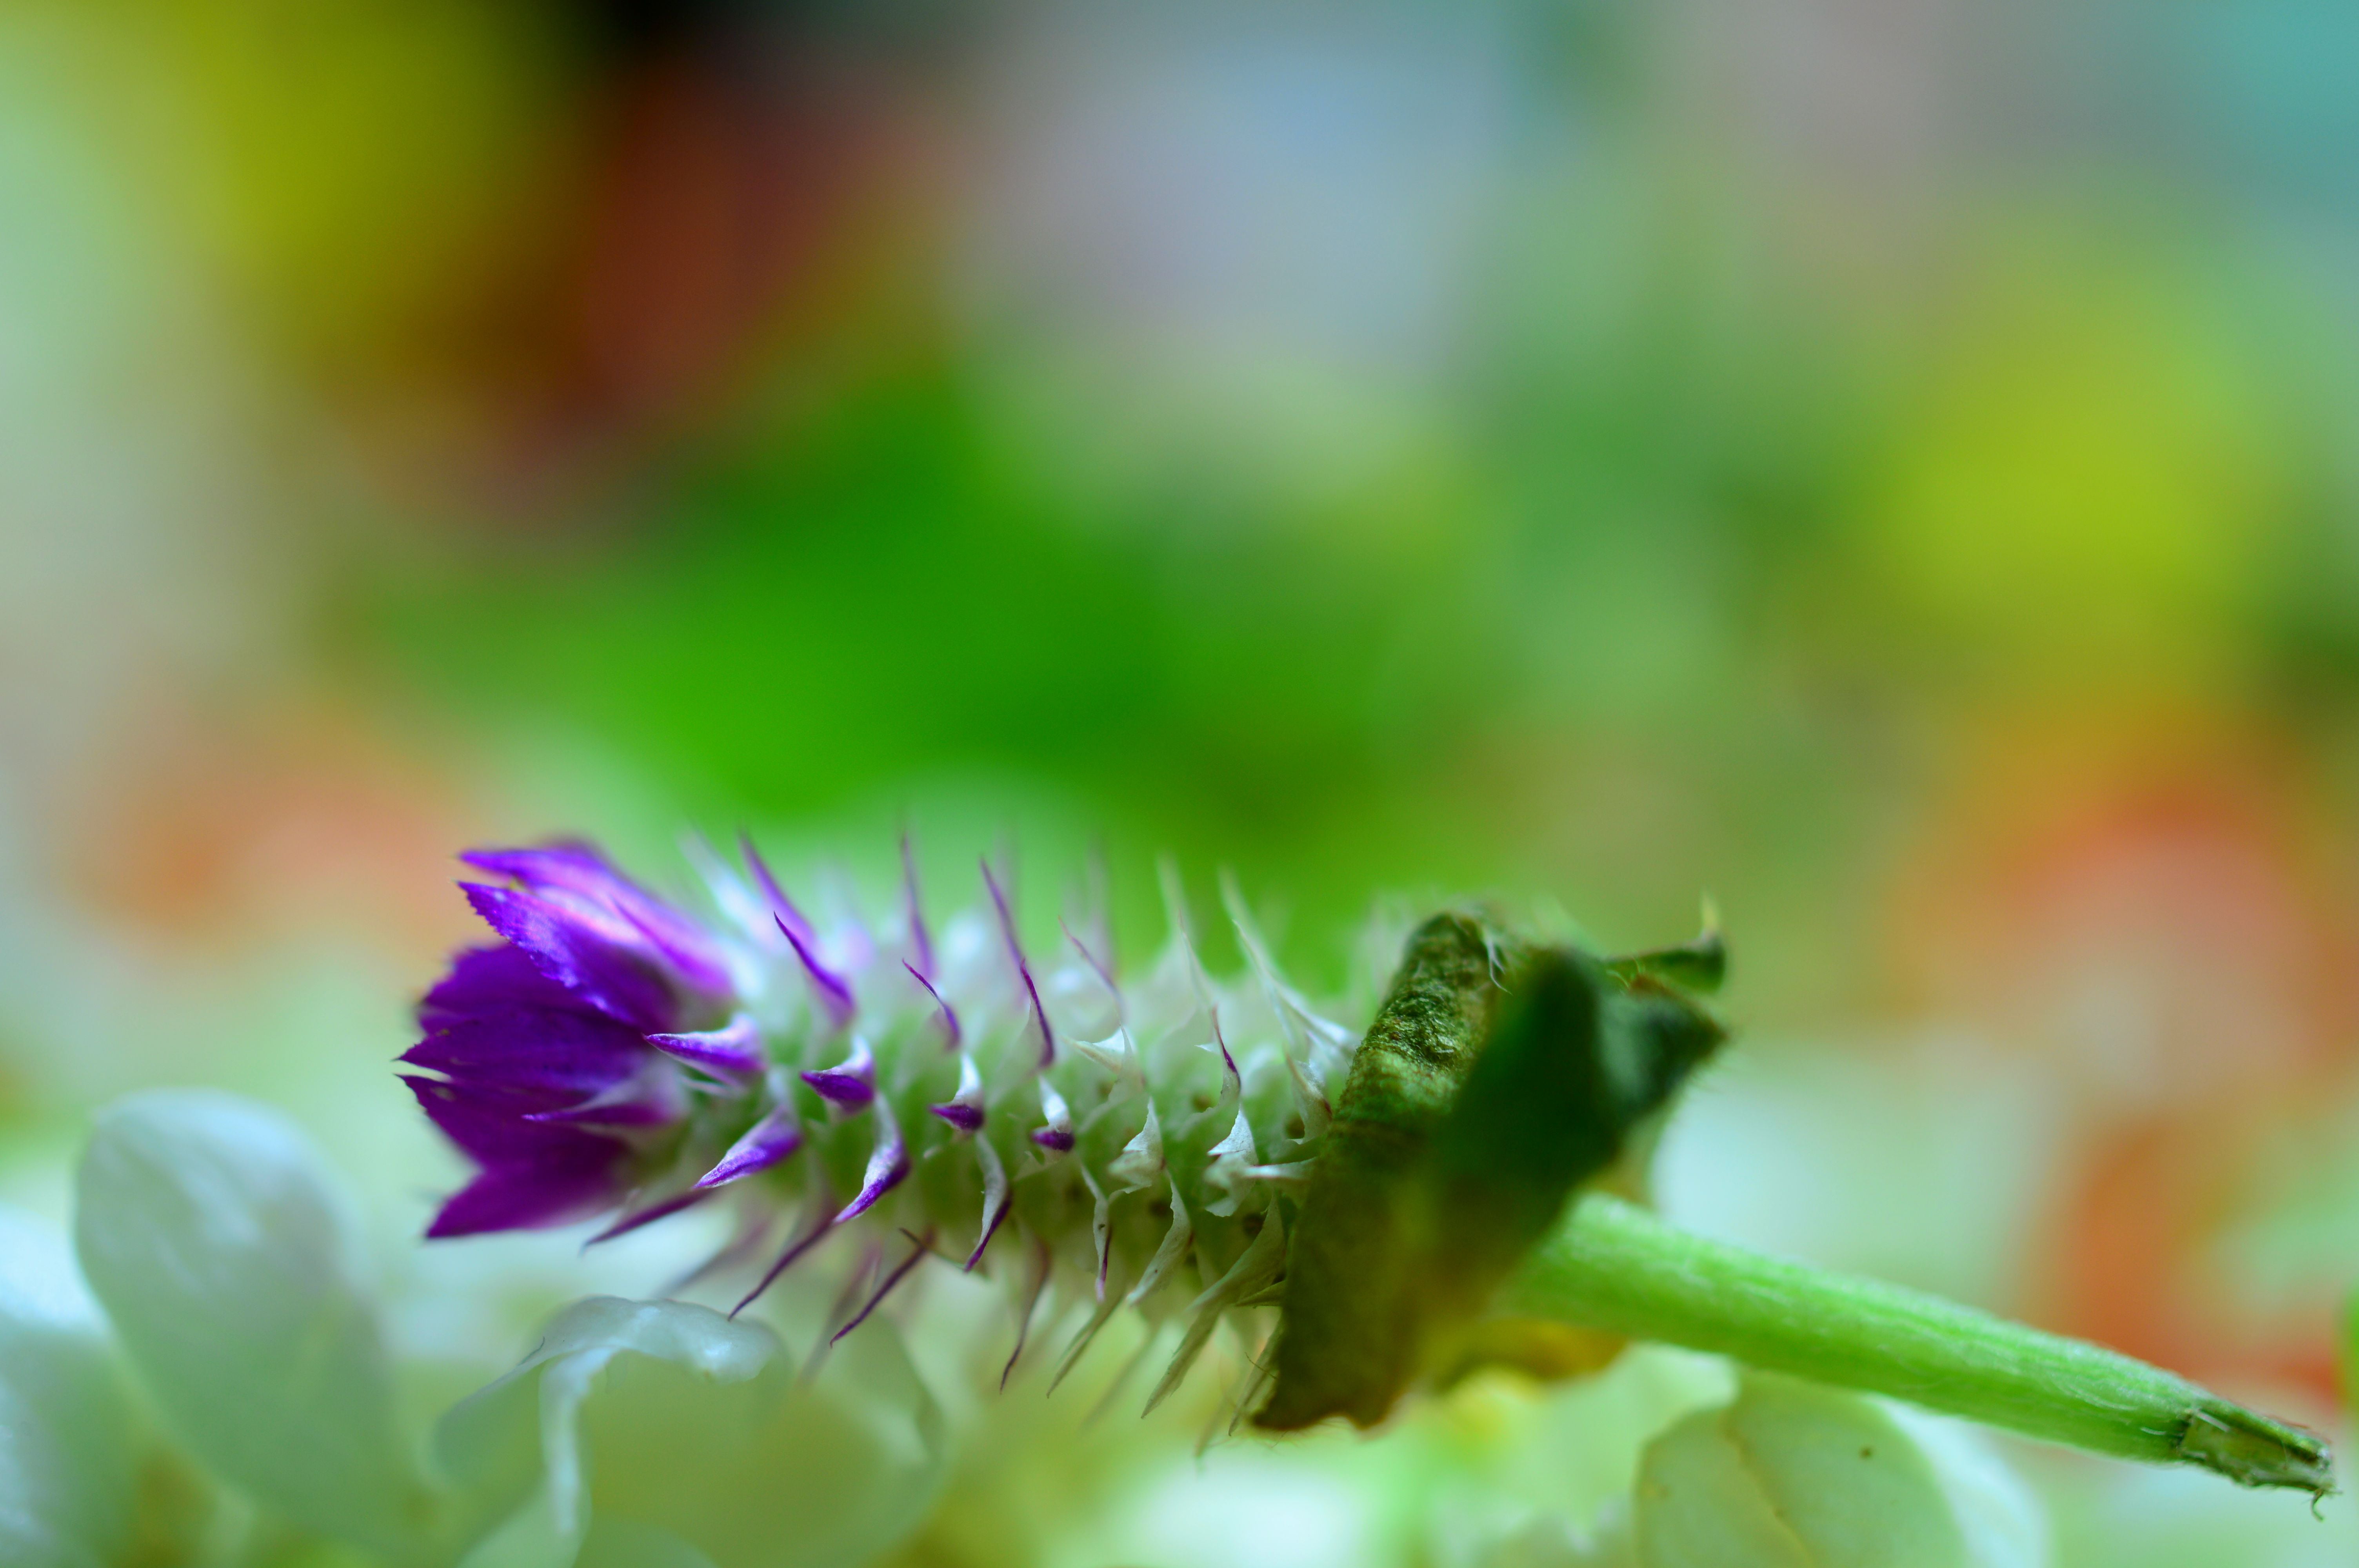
(65, 1426)
(208, 1227)
(1794, 1473)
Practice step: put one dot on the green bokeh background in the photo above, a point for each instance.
(1890, 467)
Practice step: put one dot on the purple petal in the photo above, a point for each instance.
(918, 938)
(561, 1057)
(953, 1036)
(566, 862)
(1059, 1139)
(851, 1082)
(925, 1245)
(649, 1214)
(580, 869)
(491, 980)
(531, 1196)
(736, 1049)
(782, 908)
(634, 1112)
(592, 958)
(834, 994)
(886, 1166)
(652, 1097)
(769, 1140)
(965, 1118)
(1016, 951)
(490, 1124)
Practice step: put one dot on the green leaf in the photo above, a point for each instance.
(66, 1432)
(208, 1227)
(1793, 1475)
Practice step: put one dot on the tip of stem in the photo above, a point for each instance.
(2253, 1451)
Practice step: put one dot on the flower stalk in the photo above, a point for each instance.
(1612, 1266)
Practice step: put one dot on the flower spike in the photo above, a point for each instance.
(1409, 1204)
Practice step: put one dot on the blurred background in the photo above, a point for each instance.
(1894, 466)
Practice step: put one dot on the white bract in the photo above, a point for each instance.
(66, 1431)
(692, 1426)
(209, 1229)
(527, 1426)
(1795, 1475)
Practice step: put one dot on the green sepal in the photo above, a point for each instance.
(1494, 1082)
(1574, 1064)
(1348, 1341)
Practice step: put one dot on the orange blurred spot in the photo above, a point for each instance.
(221, 831)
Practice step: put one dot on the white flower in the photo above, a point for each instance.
(1794, 1475)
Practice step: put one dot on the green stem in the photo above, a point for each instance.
(1615, 1267)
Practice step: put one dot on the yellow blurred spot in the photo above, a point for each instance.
(351, 163)
(2084, 496)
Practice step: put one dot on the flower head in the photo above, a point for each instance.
(824, 1070)
(547, 1052)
